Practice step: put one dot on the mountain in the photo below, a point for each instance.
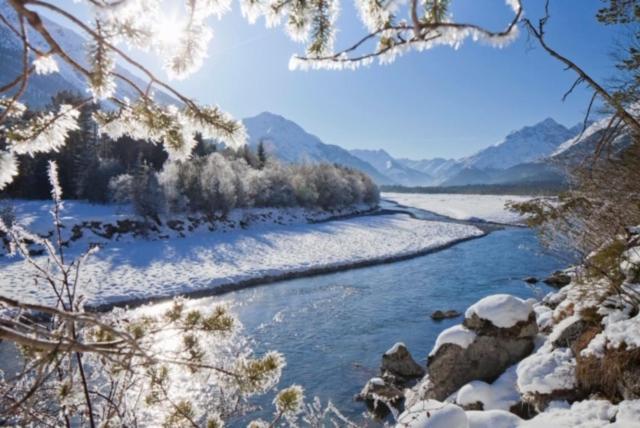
(393, 169)
(584, 145)
(522, 157)
(436, 167)
(42, 87)
(287, 141)
(529, 144)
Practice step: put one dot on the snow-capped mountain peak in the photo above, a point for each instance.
(289, 142)
(528, 144)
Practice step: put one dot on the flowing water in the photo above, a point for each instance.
(334, 328)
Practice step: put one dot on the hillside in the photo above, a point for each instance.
(287, 141)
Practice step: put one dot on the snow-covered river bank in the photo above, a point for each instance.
(203, 261)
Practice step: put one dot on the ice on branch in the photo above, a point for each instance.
(134, 22)
(44, 132)
(189, 52)
(290, 400)
(45, 64)
(322, 36)
(56, 190)
(8, 168)
(173, 127)
(374, 14)
(205, 8)
(16, 109)
(101, 82)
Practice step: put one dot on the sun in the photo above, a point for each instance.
(168, 30)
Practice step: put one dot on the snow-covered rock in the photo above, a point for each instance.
(502, 310)
(381, 397)
(457, 335)
(478, 349)
(499, 395)
(398, 362)
(547, 374)
(433, 414)
(582, 414)
(493, 419)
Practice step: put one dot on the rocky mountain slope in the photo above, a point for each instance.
(287, 141)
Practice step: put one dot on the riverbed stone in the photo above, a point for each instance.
(558, 279)
(398, 362)
(380, 397)
(440, 315)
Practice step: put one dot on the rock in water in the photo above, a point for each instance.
(531, 280)
(380, 397)
(440, 315)
(558, 279)
(399, 362)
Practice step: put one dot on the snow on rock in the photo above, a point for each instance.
(458, 335)
(204, 260)
(618, 331)
(499, 395)
(544, 316)
(582, 414)
(492, 419)
(560, 327)
(546, 371)
(433, 414)
(503, 310)
(462, 207)
(628, 414)
(577, 296)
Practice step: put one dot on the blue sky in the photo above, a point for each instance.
(437, 103)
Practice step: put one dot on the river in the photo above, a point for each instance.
(334, 328)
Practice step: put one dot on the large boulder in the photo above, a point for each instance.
(497, 332)
(398, 362)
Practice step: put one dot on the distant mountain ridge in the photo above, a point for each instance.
(287, 141)
(393, 169)
(529, 144)
(522, 157)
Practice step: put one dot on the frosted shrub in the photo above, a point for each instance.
(217, 185)
(333, 189)
(121, 188)
(274, 187)
(303, 187)
(146, 194)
